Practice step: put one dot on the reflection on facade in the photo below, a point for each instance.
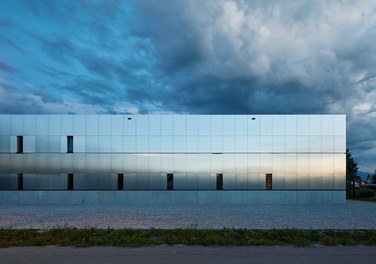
(172, 152)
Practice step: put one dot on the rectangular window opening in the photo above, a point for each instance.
(69, 144)
(70, 181)
(269, 181)
(120, 181)
(19, 181)
(170, 182)
(219, 181)
(19, 144)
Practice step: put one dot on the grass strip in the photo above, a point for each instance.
(224, 237)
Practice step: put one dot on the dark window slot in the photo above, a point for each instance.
(120, 181)
(219, 181)
(269, 181)
(170, 182)
(70, 181)
(69, 144)
(19, 144)
(19, 181)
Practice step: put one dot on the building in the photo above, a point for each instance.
(197, 158)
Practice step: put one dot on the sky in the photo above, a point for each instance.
(193, 57)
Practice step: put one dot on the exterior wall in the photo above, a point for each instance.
(302, 152)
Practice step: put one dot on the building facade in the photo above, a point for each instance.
(290, 153)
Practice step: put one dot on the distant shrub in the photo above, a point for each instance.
(364, 193)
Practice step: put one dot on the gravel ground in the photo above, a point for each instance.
(352, 215)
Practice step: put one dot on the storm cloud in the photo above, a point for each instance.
(217, 57)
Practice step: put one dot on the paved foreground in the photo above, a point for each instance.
(189, 254)
(352, 215)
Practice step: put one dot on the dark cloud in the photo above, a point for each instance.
(262, 57)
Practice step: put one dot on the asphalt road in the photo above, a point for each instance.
(189, 254)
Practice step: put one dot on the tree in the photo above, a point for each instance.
(351, 166)
(373, 178)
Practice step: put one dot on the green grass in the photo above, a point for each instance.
(368, 199)
(225, 237)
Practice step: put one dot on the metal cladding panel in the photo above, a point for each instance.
(278, 181)
(92, 144)
(290, 144)
(130, 181)
(17, 163)
(79, 125)
(16, 125)
(302, 128)
(216, 163)
(229, 144)
(8, 181)
(327, 144)
(179, 163)
(315, 124)
(104, 164)
(266, 125)
(204, 125)
(290, 125)
(41, 125)
(266, 144)
(142, 125)
(5, 163)
(191, 182)
(179, 125)
(155, 164)
(241, 125)
(154, 144)
(278, 144)
(117, 144)
(315, 144)
(327, 122)
(315, 181)
(302, 181)
(241, 181)
(53, 144)
(339, 144)
(154, 181)
(129, 126)
(104, 144)
(253, 144)
(54, 163)
(229, 163)
(29, 163)
(117, 125)
(203, 163)
(229, 125)
(5, 125)
(66, 124)
(167, 128)
(92, 125)
(192, 163)
(154, 125)
(5, 144)
(204, 144)
(278, 163)
(339, 125)
(216, 144)
(179, 144)
(130, 144)
(117, 163)
(278, 125)
(104, 125)
(142, 144)
(66, 163)
(192, 125)
(142, 181)
(216, 125)
(54, 125)
(253, 163)
(290, 181)
(204, 181)
(130, 163)
(302, 144)
(28, 144)
(253, 181)
(241, 144)
(229, 181)
(253, 125)
(29, 125)
(179, 181)
(92, 163)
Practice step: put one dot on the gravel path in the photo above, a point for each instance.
(352, 215)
